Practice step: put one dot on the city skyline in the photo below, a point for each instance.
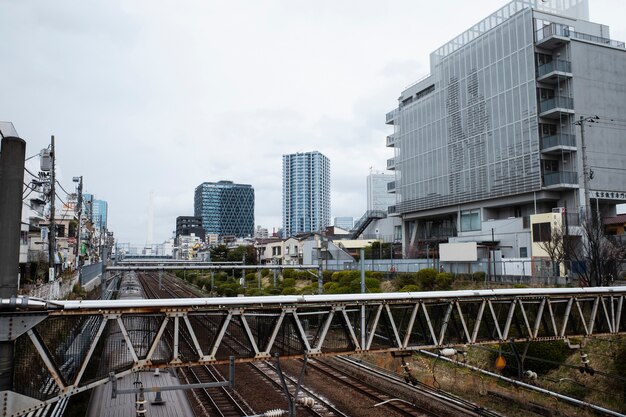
(166, 109)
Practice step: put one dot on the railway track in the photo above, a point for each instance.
(459, 404)
(320, 406)
(214, 401)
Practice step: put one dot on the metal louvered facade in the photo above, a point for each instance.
(306, 193)
(473, 135)
(226, 209)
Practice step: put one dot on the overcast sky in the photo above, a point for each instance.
(160, 96)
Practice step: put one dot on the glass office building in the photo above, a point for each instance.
(306, 193)
(226, 208)
(490, 133)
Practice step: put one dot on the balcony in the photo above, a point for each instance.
(391, 163)
(553, 108)
(391, 116)
(560, 180)
(555, 35)
(552, 36)
(558, 143)
(553, 72)
(391, 187)
(391, 140)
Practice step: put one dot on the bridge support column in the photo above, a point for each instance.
(12, 157)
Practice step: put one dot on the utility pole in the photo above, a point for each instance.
(79, 207)
(581, 122)
(52, 233)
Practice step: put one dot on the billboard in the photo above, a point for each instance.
(458, 252)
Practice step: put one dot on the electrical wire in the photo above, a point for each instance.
(64, 190)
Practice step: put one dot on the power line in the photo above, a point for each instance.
(63, 188)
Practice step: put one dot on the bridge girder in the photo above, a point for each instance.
(82, 344)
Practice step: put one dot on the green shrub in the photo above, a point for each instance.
(289, 291)
(289, 282)
(253, 292)
(443, 281)
(427, 278)
(327, 275)
(403, 279)
(289, 273)
(265, 272)
(251, 276)
(463, 277)
(479, 276)
(410, 288)
(308, 290)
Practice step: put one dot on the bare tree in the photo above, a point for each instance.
(600, 254)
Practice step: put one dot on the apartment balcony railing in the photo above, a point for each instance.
(391, 116)
(391, 163)
(556, 71)
(554, 34)
(558, 142)
(554, 106)
(560, 179)
(391, 140)
(559, 65)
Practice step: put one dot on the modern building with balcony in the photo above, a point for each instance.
(515, 111)
(226, 208)
(306, 193)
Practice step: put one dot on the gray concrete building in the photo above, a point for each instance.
(495, 132)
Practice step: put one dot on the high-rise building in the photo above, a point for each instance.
(226, 208)
(346, 223)
(495, 132)
(306, 193)
(95, 210)
(378, 195)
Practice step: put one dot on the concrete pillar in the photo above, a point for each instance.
(12, 154)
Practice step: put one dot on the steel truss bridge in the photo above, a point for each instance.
(65, 347)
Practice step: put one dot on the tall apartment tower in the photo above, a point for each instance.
(96, 211)
(226, 208)
(492, 134)
(306, 193)
(378, 195)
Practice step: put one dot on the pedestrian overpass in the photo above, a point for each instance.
(60, 348)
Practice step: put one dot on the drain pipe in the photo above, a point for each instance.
(528, 386)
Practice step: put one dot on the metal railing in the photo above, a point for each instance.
(556, 102)
(555, 29)
(560, 177)
(556, 65)
(562, 139)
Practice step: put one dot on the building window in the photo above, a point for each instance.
(470, 220)
(542, 232)
(397, 233)
(523, 252)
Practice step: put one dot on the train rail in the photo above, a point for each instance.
(450, 401)
(320, 406)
